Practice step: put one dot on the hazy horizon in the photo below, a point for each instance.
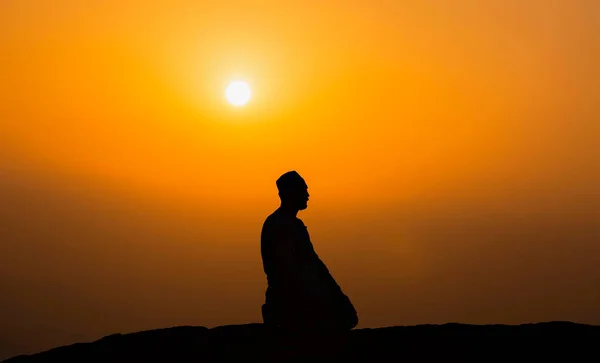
(450, 152)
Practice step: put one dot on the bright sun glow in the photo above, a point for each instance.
(238, 93)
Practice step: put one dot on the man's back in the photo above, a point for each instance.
(286, 256)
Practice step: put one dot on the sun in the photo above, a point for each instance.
(238, 93)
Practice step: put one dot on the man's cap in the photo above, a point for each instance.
(290, 180)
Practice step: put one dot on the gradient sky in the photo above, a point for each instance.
(450, 148)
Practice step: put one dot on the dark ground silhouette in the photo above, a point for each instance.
(301, 294)
(556, 341)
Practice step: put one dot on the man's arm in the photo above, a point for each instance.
(291, 272)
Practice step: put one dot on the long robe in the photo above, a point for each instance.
(301, 292)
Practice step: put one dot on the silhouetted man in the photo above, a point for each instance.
(301, 295)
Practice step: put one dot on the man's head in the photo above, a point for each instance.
(293, 190)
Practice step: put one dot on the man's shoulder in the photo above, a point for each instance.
(272, 218)
(278, 219)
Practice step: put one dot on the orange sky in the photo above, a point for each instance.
(450, 149)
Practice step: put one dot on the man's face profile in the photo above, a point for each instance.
(295, 196)
(303, 197)
(293, 190)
